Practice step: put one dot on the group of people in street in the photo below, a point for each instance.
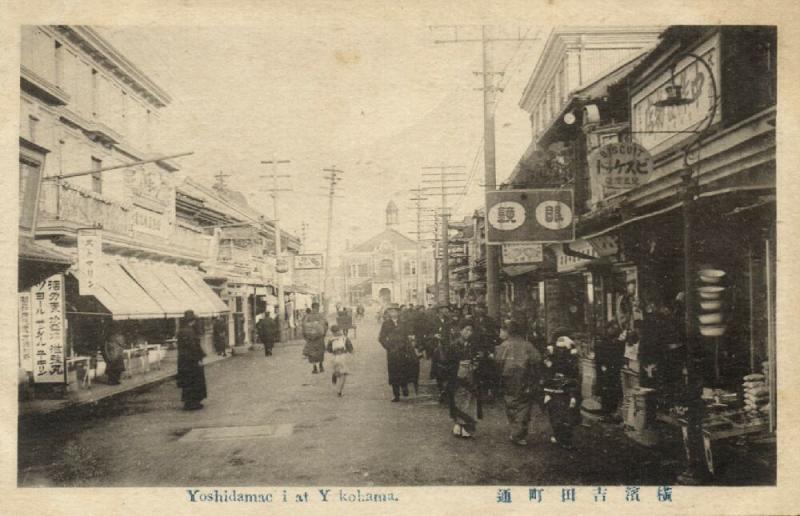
(475, 360)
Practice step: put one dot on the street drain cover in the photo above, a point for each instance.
(227, 433)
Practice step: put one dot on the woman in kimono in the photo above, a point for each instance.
(191, 375)
(562, 389)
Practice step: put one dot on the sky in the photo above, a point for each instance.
(378, 102)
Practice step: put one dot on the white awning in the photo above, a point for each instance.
(121, 295)
(196, 283)
(145, 275)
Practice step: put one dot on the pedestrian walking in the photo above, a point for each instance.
(561, 390)
(394, 339)
(339, 346)
(314, 329)
(519, 365)
(461, 385)
(191, 375)
(221, 335)
(268, 331)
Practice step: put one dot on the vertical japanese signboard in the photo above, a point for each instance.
(47, 330)
(90, 251)
(529, 216)
(24, 332)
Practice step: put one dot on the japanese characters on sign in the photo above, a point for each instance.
(566, 263)
(620, 166)
(90, 253)
(653, 125)
(24, 332)
(147, 221)
(522, 253)
(308, 261)
(530, 216)
(47, 330)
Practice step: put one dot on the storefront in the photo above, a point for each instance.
(707, 207)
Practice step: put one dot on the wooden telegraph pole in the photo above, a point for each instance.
(443, 188)
(333, 178)
(277, 229)
(489, 89)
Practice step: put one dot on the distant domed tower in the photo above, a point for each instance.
(391, 214)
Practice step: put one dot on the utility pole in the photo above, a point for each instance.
(418, 198)
(280, 316)
(333, 178)
(303, 235)
(443, 189)
(492, 254)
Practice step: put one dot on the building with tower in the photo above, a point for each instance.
(384, 267)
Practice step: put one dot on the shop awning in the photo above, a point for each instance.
(170, 276)
(145, 275)
(123, 297)
(195, 281)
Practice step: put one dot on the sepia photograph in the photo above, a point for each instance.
(397, 254)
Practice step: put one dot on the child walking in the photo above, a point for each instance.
(339, 346)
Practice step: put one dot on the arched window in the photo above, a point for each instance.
(385, 267)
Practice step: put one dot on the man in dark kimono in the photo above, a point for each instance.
(191, 376)
(268, 332)
(394, 339)
(519, 364)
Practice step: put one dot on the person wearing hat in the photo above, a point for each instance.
(519, 365)
(395, 340)
(191, 376)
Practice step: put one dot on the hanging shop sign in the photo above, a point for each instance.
(308, 261)
(522, 253)
(567, 263)
(90, 255)
(654, 126)
(24, 332)
(47, 330)
(281, 265)
(530, 216)
(620, 166)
